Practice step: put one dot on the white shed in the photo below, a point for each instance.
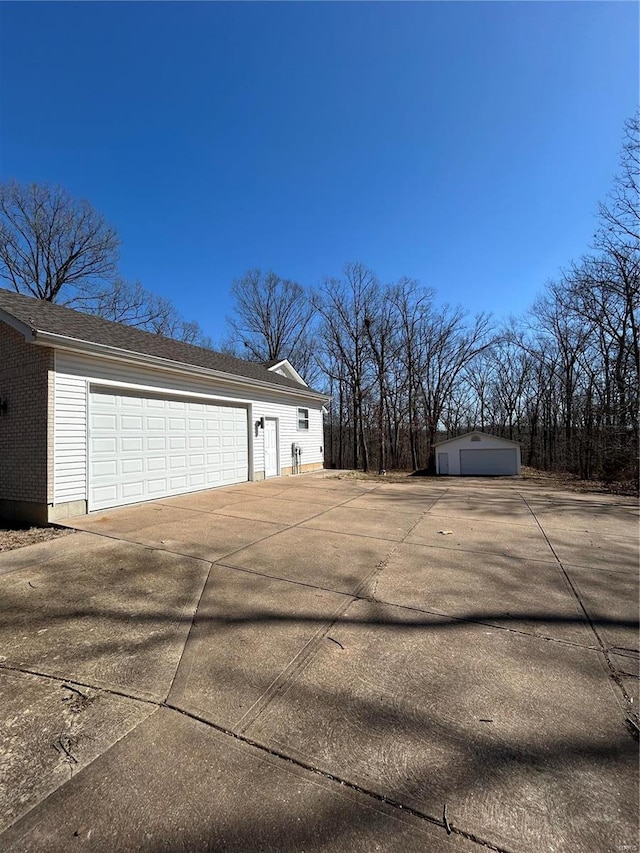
(477, 454)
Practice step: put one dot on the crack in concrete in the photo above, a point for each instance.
(382, 565)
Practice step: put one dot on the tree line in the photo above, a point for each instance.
(403, 370)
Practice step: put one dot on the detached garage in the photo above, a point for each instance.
(477, 454)
(95, 414)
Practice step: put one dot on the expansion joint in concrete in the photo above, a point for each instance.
(330, 777)
(239, 736)
(603, 646)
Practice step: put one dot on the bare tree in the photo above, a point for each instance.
(343, 304)
(272, 318)
(129, 303)
(53, 246)
(132, 304)
(451, 344)
(412, 305)
(398, 362)
(59, 249)
(620, 214)
(380, 324)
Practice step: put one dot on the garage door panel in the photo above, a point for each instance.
(104, 445)
(103, 422)
(109, 399)
(106, 494)
(105, 469)
(133, 490)
(127, 464)
(489, 462)
(131, 422)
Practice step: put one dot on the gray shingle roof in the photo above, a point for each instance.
(42, 316)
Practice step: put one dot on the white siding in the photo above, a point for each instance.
(310, 440)
(70, 438)
(74, 374)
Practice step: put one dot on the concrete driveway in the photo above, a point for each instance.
(316, 663)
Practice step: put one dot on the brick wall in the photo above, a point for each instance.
(25, 427)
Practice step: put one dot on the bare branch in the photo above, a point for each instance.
(50, 242)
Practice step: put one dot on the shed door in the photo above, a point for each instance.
(443, 463)
(145, 447)
(489, 462)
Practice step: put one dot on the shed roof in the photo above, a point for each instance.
(38, 315)
(477, 432)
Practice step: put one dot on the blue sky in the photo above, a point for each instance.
(463, 144)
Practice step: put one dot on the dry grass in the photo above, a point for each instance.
(569, 482)
(389, 477)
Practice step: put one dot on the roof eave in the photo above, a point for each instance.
(103, 350)
(18, 325)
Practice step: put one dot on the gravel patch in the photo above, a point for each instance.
(13, 536)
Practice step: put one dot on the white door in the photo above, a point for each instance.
(443, 463)
(270, 447)
(145, 447)
(489, 462)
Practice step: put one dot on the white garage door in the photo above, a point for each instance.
(492, 461)
(142, 448)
